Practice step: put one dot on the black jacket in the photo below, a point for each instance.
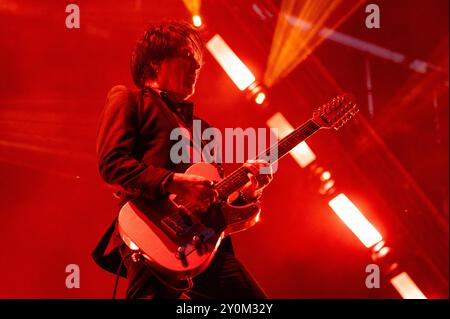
(133, 152)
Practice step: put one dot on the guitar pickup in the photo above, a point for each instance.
(178, 225)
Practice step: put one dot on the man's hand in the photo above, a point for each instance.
(258, 181)
(197, 190)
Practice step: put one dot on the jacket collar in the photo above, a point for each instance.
(185, 109)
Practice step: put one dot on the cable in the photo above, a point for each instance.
(190, 283)
(118, 274)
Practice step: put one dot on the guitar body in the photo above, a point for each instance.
(176, 242)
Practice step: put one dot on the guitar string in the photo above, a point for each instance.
(237, 178)
(233, 180)
(286, 142)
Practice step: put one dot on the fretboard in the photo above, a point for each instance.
(239, 177)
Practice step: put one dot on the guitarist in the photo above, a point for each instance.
(133, 148)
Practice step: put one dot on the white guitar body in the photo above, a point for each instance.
(152, 228)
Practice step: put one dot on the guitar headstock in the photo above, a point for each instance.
(336, 112)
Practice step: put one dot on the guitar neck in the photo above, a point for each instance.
(239, 177)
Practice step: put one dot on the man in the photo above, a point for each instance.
(133, 147)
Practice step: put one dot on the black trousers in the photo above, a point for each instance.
(224, 278)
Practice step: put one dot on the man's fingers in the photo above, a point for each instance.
(263, 180)
(255, 168)
(259, 180)
(256, 165)
(207, 182)
(215, 195)
(253, 180)
(208, 196)
(252, 168)
(199, 205)
(261, 161)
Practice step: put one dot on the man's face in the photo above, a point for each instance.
(178, 75)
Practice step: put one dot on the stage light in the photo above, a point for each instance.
(384, 257)
(327, 187)
(193, 6)
(378, 246)
(260, 98)
(317, 169)
(355, 220)
(325, 176)
(406, 287)
(292, 43)
(133, 246)
(197, 21)
(230, 62)
(257, 93)
(384, 251)
(301, 153)
(258, 217)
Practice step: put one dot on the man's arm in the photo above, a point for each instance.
(116, 140)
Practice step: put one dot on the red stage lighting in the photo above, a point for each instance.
(302, 153)
(197, 21)
(325, 176)
(260, 98)
(230, 62)
(406, 287)
(355, 220)
(257, 93)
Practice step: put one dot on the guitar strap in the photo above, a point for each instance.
(109, 261)
(184, 115)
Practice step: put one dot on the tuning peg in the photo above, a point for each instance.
(333, 104)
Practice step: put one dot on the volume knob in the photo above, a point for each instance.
(198, 244)
(181, 254)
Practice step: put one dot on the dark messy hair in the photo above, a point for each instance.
(159, 42)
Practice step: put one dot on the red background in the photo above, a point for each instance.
(53, 85)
